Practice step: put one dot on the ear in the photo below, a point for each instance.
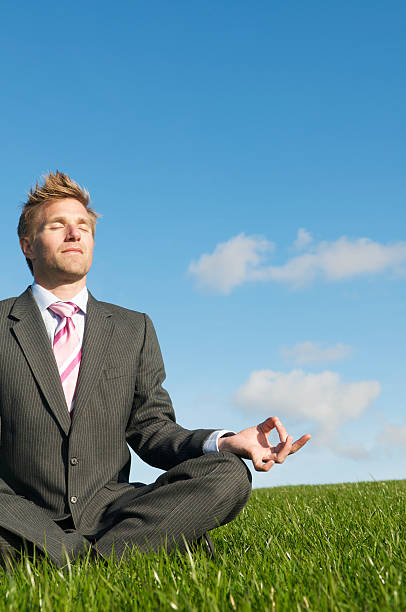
(26, 247)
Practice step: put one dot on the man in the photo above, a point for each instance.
(79, 380)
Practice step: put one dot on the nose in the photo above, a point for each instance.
(72, 233)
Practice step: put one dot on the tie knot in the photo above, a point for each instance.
(64, 309)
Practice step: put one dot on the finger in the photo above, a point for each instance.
(280, 428)
(263, 465)
(285, 450)
(266, 465)
(271, 423)
(261, 459)
(299, 443)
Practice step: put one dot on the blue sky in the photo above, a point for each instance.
(248, 160)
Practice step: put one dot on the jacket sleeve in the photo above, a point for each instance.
(152, 431)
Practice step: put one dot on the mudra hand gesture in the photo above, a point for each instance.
(252, 443)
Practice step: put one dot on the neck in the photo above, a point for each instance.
(64, 292)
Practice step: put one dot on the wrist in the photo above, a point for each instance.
(222, 443)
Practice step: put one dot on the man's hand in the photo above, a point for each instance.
(252, 443)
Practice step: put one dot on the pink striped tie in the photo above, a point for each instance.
(67, 349)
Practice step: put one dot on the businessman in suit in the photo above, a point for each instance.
(79, 379)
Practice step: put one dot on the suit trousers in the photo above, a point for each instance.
(191, 498)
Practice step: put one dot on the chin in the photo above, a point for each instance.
(71, 274)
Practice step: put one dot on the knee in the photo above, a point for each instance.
(236, 478)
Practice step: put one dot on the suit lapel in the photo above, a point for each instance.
(98, 331)
(30, 332)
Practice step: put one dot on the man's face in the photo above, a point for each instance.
(61, 250)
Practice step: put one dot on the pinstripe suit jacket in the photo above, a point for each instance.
(80, 467)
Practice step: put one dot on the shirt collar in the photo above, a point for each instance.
(45, 298)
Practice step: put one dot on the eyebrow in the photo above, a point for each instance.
(78, 220)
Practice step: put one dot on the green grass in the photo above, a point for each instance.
(329, 547)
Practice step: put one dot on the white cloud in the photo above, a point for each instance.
(322, 399)
(231, 263)
(303, 239)
(310, 352)
(351, 451)
(241, 259)
(394, 435)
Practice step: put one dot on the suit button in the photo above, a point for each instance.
(73, 499)
(74, 461)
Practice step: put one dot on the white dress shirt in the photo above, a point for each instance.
(45, 298)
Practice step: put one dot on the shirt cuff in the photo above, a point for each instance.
(211, 444)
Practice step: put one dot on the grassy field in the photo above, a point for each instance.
(330, 547)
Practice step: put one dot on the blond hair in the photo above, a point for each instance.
(55, 186)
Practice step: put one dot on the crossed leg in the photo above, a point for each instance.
(188, 500)
(183, 503)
